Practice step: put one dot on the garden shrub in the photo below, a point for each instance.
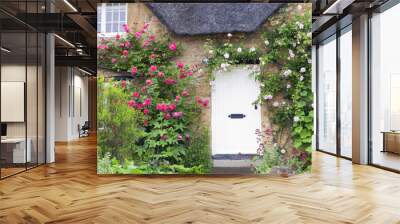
(162, 92)
(199, 150)
(119, 125)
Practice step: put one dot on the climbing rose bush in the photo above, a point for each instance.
(286, 91)
(162, 91)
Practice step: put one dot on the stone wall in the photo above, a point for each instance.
(193, 46)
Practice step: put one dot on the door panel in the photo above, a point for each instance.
(234, 117)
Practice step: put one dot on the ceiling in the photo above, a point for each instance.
(74, 22)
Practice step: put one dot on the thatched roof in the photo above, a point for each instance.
(212, 18)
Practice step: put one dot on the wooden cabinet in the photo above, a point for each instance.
(391, 142)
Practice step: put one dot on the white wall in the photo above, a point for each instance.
(71, 87)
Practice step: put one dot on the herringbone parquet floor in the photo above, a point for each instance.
(69, 191)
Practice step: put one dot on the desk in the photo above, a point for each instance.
(13, 150)
(391, 141)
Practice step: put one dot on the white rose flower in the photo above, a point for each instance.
(283, 103)
(296, 119)
(299, 7)
(275, 145)
(309, 34)
(226, 55)
(288, 86)
(283, 151)
(211, 52)
(291, 54)
(275, 104)
(262, 84)
(252, 49)
(229, 35)
(309, 61)
(239, 50)
(268, 97)
(200, 71)
(287, 73)
(300, 25)
(302, 70)
(301, 78)
(266, 42)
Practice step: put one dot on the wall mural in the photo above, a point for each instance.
(186, 89)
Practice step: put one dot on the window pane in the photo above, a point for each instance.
(346, 94)
(108, 28)
(385, 89)
(327, 96)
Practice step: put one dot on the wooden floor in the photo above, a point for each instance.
(69, 191)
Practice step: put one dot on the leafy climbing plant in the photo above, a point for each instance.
(286, 83)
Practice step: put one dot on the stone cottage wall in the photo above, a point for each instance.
(193, 46)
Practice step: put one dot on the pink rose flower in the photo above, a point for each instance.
(185, 93)
(131, 103)
(182, 76)
(145, 122)
(136, 94)
(139, 106)
(171, 107)
(153, 68)
(160, 74)
(167, 116)
(169, 81)
(172, 46)
(179, 64)
(125, 53)
(121, 45)
(113, 60)
(146, 111)
(187, 137)
(149, 82)
(179, 137)
(177, 114)
(152, 38)
(134, 70)
(147, 102)
(205, 102)
(162, 107)
(138, 35)
(123, 83)
(117, 36)
(177, 98)
(126, 28)
(145, 26)
(146, 43)
(152, 56)
(127, 44)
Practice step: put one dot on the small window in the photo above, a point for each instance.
(111, 17)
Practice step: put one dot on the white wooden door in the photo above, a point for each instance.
(234, 117)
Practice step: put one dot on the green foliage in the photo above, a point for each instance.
(287, 90)
(119, 125)
(222, 54)
(160, 92)
(199, 151)
(106, 165)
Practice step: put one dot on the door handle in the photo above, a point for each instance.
(236, 116)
